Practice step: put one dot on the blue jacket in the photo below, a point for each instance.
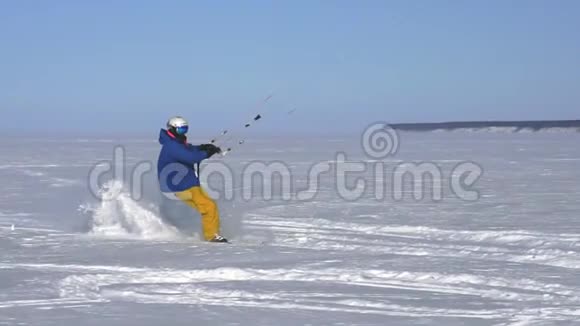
(175, 166)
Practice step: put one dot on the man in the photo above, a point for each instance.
(177, 174)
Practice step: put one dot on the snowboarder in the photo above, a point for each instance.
(178, 168)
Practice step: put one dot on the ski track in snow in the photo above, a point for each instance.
(514, 246)
(323, 262)
(87, 285)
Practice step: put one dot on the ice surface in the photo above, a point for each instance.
(508, 258)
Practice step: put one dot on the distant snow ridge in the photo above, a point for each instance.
(119, 215)
(505, 130)
(557, 126)
(510, 130)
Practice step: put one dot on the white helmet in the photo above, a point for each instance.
(178, 124)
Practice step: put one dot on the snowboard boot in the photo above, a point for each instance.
(218, 238)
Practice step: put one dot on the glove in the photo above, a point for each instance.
(210, 149)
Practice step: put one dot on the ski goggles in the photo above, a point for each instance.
(182, 130)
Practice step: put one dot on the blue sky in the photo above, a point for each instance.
(129, 65)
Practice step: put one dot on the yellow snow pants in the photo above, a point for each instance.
(198, 199)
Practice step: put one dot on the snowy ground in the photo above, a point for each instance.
(509, 258)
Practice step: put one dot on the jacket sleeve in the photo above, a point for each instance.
(188, 154)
